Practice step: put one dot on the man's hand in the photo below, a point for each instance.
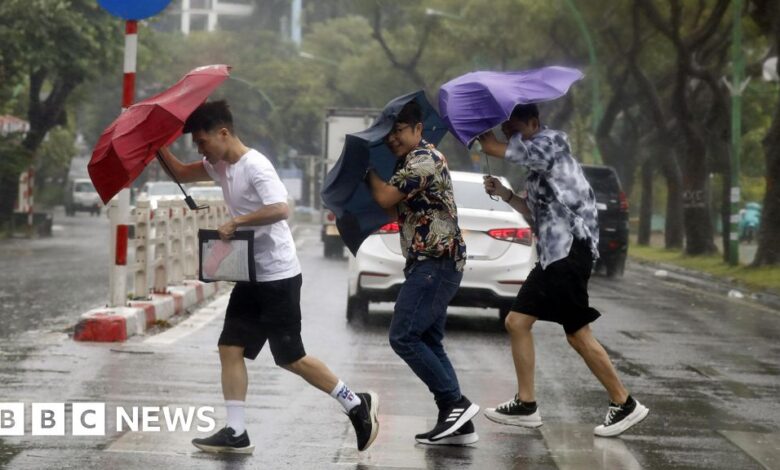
(491, 145)
(494, 187)
(227, 230)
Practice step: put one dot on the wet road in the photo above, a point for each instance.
(52, 280)
(705, 365)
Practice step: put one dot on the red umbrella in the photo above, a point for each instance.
(134, 138)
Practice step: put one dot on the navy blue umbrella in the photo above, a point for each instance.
(346, 194)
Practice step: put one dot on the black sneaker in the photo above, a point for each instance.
(364, 419)
(516, 413)
(451, 418)
(621, 417)
(224, 441)
(462, 436)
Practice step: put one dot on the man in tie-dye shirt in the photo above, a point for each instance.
(561, 206)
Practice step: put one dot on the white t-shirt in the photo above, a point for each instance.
(249, 185)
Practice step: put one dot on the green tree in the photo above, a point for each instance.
(52, 47)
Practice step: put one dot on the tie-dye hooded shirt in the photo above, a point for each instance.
(428, 217)
(560, 198)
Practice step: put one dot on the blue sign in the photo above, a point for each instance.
(134, 9)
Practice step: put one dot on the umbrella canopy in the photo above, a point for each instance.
(345, 192)
(476, 102)
(132, 140)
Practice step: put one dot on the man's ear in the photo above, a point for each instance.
(418, 127)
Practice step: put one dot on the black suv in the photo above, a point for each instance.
(613, 218)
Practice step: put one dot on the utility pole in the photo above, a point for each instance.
(736, 87)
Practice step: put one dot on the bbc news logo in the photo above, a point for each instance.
(89, 419)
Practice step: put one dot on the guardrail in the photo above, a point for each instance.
(166, 243)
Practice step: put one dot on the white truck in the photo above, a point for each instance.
(338, 123)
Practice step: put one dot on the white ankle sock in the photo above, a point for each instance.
(344, 395)
(235, 416)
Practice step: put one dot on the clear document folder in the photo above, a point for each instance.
(231, 260)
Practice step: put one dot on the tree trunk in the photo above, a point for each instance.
(9, 186)
(646, 204)
(769, 232)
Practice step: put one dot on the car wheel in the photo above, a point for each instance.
(357, 308)
(616, 267)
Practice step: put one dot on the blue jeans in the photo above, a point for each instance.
(417, 327)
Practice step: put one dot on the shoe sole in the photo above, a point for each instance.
(522, 421)
(461, 440)
(636, 417)
(225, 450)
(373, 412)
(470, 412)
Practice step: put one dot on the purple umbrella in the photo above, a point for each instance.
(476, 102)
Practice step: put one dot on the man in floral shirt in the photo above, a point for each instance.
(561, 206)
(420, 195)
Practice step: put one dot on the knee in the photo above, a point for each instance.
(296, 367)
(400, 343)
(579, 340)
(516, 323)
(231, 355)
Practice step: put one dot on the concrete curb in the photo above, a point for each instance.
(705, 281)
(119, 323)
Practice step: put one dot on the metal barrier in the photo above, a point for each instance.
(166, 243)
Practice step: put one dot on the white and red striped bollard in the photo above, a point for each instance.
(120, 215)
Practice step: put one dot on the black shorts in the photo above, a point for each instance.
(265, 311)
(559, 293)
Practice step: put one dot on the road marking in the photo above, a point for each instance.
(195, 322)
(573, 446)
(764, 448)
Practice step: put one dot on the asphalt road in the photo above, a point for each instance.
(705, 365)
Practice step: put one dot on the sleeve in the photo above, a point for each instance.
(537, 154)
(213, 173)
(268, 185)
(416, 175)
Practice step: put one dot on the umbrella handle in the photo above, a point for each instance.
(187, 198)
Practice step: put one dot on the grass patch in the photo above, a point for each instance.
(765, 277)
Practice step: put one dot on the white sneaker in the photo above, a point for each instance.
(621, 417)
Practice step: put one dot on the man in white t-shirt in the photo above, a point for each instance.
(269, 309)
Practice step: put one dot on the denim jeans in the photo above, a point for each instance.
(417, 327)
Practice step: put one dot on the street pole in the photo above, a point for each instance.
(595, 87)
(120, 206)
(736, 88)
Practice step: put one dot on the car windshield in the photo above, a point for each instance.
(84, 187)
(471, 195)
(163, 189)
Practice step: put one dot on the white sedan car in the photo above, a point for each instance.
(499, 246)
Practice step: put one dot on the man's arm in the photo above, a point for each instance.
(268, 215)
(536, 154)
(386, 195)
(184, 172)
(494, 187)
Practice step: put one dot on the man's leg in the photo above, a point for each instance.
(520, 410)
(597, 359)
(234, 376)
(624, 411)
(233, 438)
(519, 327)
(315, 372)
(362, 408)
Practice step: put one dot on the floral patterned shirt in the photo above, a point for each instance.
(560, 198)
(428, 217)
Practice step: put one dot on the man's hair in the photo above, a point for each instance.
(525, 112)
(410, 114)
(210, 116)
